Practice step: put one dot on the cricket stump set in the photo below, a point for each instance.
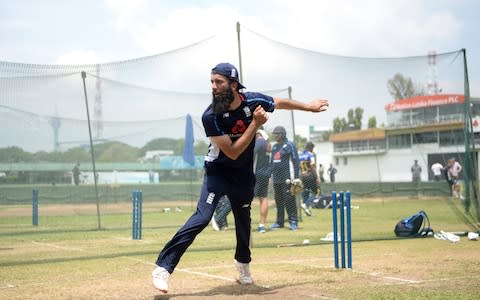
(345, 208)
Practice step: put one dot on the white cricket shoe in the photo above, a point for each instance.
(160, 279)
(244, 273)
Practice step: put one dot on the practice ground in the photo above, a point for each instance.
(63, 258)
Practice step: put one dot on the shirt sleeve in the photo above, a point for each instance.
(254, 99)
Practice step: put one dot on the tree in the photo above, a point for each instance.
(299, 141)
(115, 152)
(353, 121)
(14, 154)
(159, 144)
(339, 125)
(111, 151)
(326, 135)
(76, 154)
(372, 122)
(357, 119)
(401, 87)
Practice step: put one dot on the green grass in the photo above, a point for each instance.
(65, 256)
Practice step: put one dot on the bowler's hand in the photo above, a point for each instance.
(260, 116)
(318, 105)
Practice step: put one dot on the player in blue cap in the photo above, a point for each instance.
(230, 122)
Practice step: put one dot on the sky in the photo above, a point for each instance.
(95, 31)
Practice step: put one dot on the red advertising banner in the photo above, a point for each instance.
(424, 101)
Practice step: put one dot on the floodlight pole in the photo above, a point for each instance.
(84, 75)
(239, 53)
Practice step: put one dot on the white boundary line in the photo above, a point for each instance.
(372, 274)
(451, 278)
(292, 262)
(188, 271)
(7, 286)
(391, 278)
(205, 274)
(56, 246)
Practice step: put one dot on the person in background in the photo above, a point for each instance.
(285, 169)
(454, 168)
(321, 173)
(263, 171)
(416, 170)
(76, 174)
(308, 175)
(331, 172)
(219, 218)
(151, 176)
(437, 169)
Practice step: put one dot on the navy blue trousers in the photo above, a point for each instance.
(238, 185)
(285, 201)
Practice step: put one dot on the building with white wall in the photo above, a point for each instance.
(424, 128)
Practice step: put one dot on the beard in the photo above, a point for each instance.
(221, 101)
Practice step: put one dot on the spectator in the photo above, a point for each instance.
(454, 168)
(151, 176)
(331, 172)
(285, 167)
(416, 170)
(321, 172)
(76, 174)
(437, 169)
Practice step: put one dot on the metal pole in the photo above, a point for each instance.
(84, 75)
(239, 53)
(471, 167)
(293, 119)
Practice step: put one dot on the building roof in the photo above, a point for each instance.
(358, 135)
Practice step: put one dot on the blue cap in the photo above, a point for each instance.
(228, 70)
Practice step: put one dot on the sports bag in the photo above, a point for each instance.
(414, 226)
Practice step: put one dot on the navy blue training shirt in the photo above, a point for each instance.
(234, 123)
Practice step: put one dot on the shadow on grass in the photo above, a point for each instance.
(234, 290)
